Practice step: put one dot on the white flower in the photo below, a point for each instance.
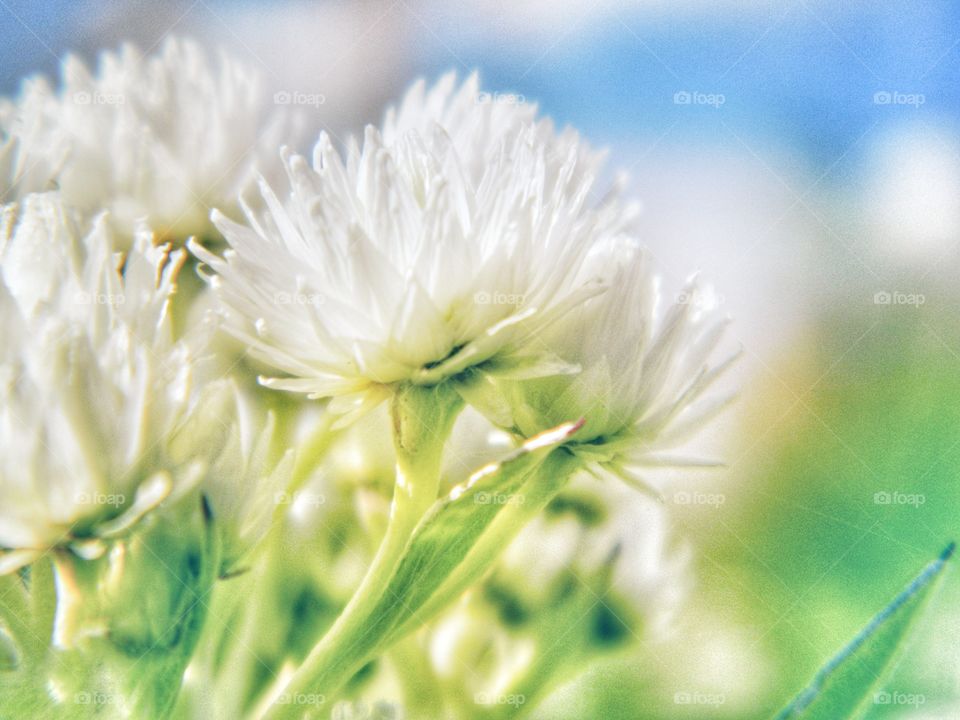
(101, 418)
(642, 387)
(592, 524)
(450, 239)
(160, 138)
(245, 475)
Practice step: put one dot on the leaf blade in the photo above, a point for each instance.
(841, 688)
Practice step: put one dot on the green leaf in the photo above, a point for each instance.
(444, 539)
(438, 548)
(842, 688)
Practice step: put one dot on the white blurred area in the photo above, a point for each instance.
(736, 220)
(351, 58)
(911, 195)
(549, 20)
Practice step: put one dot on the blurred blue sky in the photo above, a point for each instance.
(797, 74)
(804, 73)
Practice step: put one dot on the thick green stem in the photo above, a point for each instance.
(542, 486)
(422, 420)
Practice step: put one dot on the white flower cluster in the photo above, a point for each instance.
(464, 243)
(445, 241)
(464, 251)
(92, 377)
(106, 408)
(160, 138)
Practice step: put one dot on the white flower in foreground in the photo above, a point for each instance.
(161, 138)
(642, 388)
(448, 240)
(95, 390)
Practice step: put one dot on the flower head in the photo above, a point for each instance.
(160, 138)
(448, 240)
(99, 406)
(644, 374)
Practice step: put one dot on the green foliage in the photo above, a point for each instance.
(447, 546)
(842, 689)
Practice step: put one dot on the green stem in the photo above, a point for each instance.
(542, 486)
(13, 610)
(422, 420)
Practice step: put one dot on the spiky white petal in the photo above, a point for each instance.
(645, 377)
(100, 419)
(92, 377)
(451, 238)
(160, 138)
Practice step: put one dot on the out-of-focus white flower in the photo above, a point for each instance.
(101, 418)
(644, 375)
(450, 239)
(160, 138)
(592, 574)
(90, 375)
(245, 467)
(654, 576)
